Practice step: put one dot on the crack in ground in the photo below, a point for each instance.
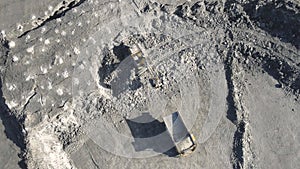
(231, 113)
(243, 155)
(237, 151)
(28, 100)
(60, 11)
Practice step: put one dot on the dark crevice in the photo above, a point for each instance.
(238, 160)
(13, 128)
(28, 101)
(231, 112)
(56, 15)
(237, 150)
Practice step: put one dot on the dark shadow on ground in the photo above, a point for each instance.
(237, 147)
(283, 73)
(13, 129)
(145, 126)
(110, 63)
(277, 19)
(121, 51)
(231, 112)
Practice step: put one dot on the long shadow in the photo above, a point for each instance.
(231, 112)
(13, 129)
(145, 126)
(237, 148)
(277, 19)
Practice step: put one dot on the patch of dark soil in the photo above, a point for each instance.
(182, 10)
(278, 18)
(202, 13)
(286, 74)
(283, 72)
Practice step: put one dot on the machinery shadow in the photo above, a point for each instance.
(144, 129)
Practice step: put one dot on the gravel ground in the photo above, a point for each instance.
(74, 96)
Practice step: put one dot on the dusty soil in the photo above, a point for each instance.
(72, 96)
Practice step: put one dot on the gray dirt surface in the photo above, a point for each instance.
(73, 97)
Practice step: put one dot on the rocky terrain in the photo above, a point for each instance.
(72, 95)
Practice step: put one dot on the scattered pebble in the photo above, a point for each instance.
(30, 50)
(58, 20)
(65, 74)
(59, 91)
(27, 37)
(50, 8)
(44, 70)
(43, 30)
(76, 51)
(60, 61)
(63, 33)
(81, 66)
(20, 27)
(11, 87)
(47, 42)
(11, 44)
(12, 104)
(3, 33)
(76, 81)
(15, 58)
(49, 85)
